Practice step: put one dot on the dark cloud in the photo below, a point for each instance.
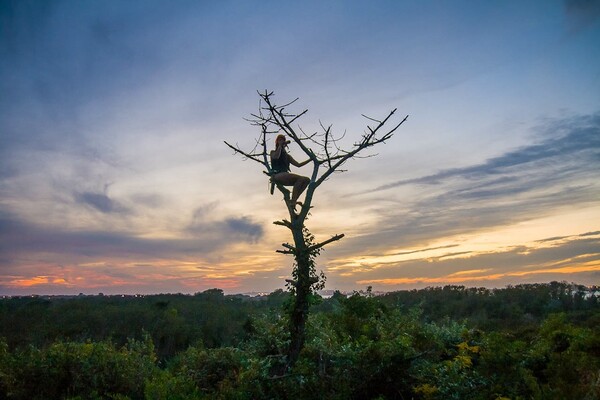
(552, 239)
(590, 234)
(21, 239)
(100, 202)
(557, 238)
(243, 227)
(234, 228)
(402, 253)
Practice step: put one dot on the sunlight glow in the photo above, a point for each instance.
(453, 279)
(522, 237)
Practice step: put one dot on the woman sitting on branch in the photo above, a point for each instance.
(280, 164)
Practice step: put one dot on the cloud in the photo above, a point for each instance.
(446, 215)
(244, 227)
(228, 229)
(590, 234)
(151, 200)
(581, 144)
(100, 202)
(20, 239)
(574, 257)
(402, 253)
(530, 182)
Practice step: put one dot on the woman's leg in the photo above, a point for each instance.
(299, 186)
(300, 183)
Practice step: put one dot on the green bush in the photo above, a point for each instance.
(86, 370)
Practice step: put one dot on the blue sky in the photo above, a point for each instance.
(114, 177)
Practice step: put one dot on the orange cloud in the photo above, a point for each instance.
(464, 276)
(23, 282)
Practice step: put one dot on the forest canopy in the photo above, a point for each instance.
(525, 341)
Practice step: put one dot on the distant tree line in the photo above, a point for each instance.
(173, 321)
(496, 309)
(526, 341)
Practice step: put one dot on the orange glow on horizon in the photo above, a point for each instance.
(463, 276)
(28, 282)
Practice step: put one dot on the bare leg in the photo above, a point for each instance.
(299, 186)
(300, 183)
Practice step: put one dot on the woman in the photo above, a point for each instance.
(280, 164)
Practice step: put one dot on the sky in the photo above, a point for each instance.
(114, 177)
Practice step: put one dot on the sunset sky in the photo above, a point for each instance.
(114, 177)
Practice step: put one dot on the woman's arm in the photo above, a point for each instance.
(296, 163)
(275, 154)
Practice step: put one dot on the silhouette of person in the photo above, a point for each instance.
(280, 164)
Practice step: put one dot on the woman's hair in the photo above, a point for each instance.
(277, 138)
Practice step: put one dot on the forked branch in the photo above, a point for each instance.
(326, 152)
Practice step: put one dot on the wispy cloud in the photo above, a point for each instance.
(576, 256)
(520, 185)
(578, 150)
(403, 253)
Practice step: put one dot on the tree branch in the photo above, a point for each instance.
(368, 140)
(283, 222)
(319, 245)
(284, 251)
(289, 247)
(253, 157)
(325, 152)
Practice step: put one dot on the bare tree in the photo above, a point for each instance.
(324, 151)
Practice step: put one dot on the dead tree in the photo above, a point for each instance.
(327, 157)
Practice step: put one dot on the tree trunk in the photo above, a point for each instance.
(299, 312)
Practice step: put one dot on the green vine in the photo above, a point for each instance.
(319, 279)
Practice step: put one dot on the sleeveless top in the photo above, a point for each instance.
(281, 164)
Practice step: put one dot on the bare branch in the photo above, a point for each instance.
(283, 222)
(289, 247)
(284, 251)
(372, 119)
(253, 157)
(368, 140)
(280, 120)
(323, 149)
(319, 245)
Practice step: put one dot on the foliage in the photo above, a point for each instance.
(87, 370)
(358, 347)
(174, 321)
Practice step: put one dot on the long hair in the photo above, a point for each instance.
(277, 138)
